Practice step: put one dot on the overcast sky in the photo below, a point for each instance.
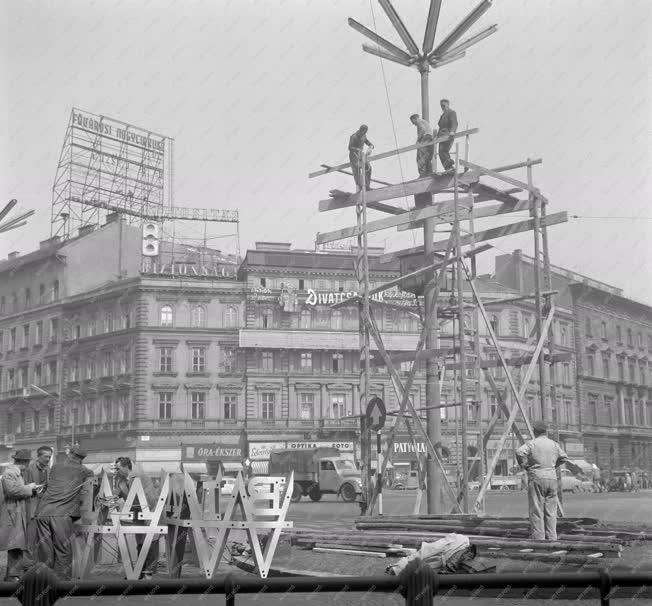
(259, 93)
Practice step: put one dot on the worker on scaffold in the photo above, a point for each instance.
(447, 127)
(540, 458)
(424, 154)
(356, 148)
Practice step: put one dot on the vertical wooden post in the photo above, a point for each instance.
(362, 270)
(534, 211)
(460, 332)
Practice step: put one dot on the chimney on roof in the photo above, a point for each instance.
(13, 255)
(87, 229)
(49, 242)
(277, 246)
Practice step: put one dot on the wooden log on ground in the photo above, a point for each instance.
(567, 558)
(357, 552)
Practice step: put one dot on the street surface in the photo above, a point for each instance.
(331, 513)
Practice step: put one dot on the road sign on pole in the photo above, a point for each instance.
(376, 414)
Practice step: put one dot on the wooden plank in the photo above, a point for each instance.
(395, 152)
(440, 208)
(426, 354)
(347, 172)
(534, 162)
(489, 234)
(497, 175)
(481, 212)
(338, 202)
(520, 298)
(518, 361)
(370, 554)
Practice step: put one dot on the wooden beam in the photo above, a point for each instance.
(392, 15)
(439, 208)
(492, 173)
(426, 354)
(480, 212)
(394, 152)
(7, 209)
(342, 201)
(346, 172)
(489, 234)
(486, 192)
(534, 162)
(520, 298)
(485, 363)
(380, 41)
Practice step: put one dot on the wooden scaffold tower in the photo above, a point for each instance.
(424, 270)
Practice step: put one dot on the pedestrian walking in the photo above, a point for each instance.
(447, 127)
(357, 143)
(424, 154)
(38, 471)
(13, 514)
(540, 458)
(124, 478)
(58, 509)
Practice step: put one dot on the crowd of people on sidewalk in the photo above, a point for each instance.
(40, 503)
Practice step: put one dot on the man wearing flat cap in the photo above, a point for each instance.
(59, 507)
(540, 458)
(13, 514)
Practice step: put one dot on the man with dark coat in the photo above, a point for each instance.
(59, 507)
(13, 514)
(447, 127)
(357, 142)
(38, 471)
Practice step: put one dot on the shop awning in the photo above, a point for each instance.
(200, 467)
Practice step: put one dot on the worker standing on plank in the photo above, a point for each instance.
(540, 458)
(424, 154)
(38, 471)
(58, 508)
(356, 148)
(447, 127)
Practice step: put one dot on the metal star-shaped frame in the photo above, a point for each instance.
(447, 51)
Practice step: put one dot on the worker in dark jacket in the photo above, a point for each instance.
(37, 471)
(447, 127)
(540, 458)
(357, 142)
(59, 507)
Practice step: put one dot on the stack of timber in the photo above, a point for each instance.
(580, 540)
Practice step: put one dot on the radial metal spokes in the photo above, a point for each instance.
(462, 28)
(399, 26)
(469, 42)
(379, 52)
(431, 26)
(379, 40)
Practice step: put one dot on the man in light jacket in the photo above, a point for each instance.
(38, 471)
(13, 514)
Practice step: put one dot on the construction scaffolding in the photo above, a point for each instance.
(424, 270)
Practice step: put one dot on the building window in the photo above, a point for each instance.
(92, 326)
(41, 294)
(642, 372)
(566, 374)
(230, 402)
(632, 372)
(305, 319)
(10, 379)
(2, 305)
(338, 406)
(590, 365)
(630, 337)
(306, 406)
(603, 331)
(230, 317)
(28, 298)
(495, 324)
(228, 357)
(336, 320)
(649, 343)
(197, 316)
(26, 335)
(563, 335)
(589, 329)
(38, 337)
(165, 405)
(51, 372)
(165, 359)
(12, 340)
(640, 340)
(628, 411)
(619, 334)
(77, 332)
(306, 361)
(593, 410)
(50, 419)
(107, 365)
(609, 409)
(267, 317)
(38, 371)
(89, 369)
(263, 281)
(268, 401)
(108, 322)
(14, 302)
(166, 315)
(621, 370)
(301, 284)
(106, 412)
(198, 404)
(54, 330)
(268, 361)
(55, 290)
(605, 367)
(198, 359)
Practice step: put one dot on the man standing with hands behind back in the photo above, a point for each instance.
(38, 471)
(447, 126)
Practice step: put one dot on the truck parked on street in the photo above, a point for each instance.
(317, 472)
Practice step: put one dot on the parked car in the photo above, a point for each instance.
(406, 481)
(227, 485)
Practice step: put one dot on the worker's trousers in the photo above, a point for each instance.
(151, 558)
(445, 155)
(55, 536)
(542, 501)
(16, 559)
(355, 169)
(424, 157)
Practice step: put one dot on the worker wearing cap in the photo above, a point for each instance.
(13, 514)
(447, 128)
(540, 458)
(59, 507)
(357, 141)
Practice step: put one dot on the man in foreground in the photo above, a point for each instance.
(447, 128)
(357, 143)
(38, 471)
(540, 458)
(59, 507)
(424, 154)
